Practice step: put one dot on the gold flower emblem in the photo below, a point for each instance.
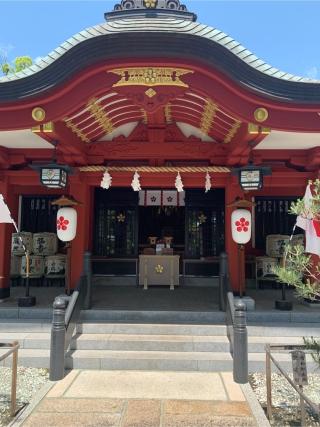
(150, 75)
(202, 218)
(159, 269)
(150, 3)
(121, 218)
(150, 92)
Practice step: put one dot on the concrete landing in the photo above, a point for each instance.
(142, 399)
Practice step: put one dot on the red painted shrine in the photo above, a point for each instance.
(152, 90)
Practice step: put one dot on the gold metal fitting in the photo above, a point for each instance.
(38, 114)
(261, 114)
(159, 269)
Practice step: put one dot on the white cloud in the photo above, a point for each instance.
(313, 72)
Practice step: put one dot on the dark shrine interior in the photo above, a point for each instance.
(160, 222)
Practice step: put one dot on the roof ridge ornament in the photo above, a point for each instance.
(137, 8)
(150, 4)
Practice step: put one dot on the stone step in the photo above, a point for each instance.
(289, 317)
(285, 330)
(163, 316)
(151, 329)
(30, 313)
(125, 342)
(149, 360)
(179, 343)
(261, 329)
(12, 325)
(30, 340)
(153, 316)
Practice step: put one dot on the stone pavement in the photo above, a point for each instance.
(142, 399)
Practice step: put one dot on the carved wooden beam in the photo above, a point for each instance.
(190, 151)
(4, 158)
(242, 143)
(70, 145)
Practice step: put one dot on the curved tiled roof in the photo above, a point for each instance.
(181, 37)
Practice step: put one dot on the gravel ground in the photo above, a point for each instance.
(285, 400)
(30, 380)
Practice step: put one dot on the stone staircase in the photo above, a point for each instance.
(142, 346)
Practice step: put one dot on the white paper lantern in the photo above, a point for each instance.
(241, 226)
(66, 224)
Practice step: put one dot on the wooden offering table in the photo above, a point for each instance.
(159, 270)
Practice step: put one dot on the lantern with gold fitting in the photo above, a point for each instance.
(53, 174)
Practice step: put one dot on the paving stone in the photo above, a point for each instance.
(142, 413)
(214, 408)
(81, 405)
(154, 385)
(206, 421)
(49, 419)
(234, 390)
(61, 386)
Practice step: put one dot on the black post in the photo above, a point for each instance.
(27, 300)
(58, 337)
(223, 274)
(240, 349)
(87, 272)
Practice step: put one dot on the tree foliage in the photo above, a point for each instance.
(313, 344)
(299, 269)
(19, 64)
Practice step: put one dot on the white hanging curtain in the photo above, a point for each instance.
(161, 198)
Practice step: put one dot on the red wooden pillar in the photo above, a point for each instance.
(6, 231)
(236, 272)
(82, 193)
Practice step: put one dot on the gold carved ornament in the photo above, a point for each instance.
(121, 218)
(159, 269)
(208, 116)
(168, 113)
(38, 114)
(261, 114)
(254, 129)
(150, 76)
(76, 130)
(150, 92)
(45, 128)
(100, 116)
(202, 218)
(232, 132)
(150, 4)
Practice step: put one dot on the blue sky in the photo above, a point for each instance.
(284, 33)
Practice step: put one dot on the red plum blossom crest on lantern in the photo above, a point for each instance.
(62, 223)
(242, 225)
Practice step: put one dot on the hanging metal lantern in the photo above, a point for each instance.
(53, 175)
(251, 177)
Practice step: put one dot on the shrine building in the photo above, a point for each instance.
(163, 112)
